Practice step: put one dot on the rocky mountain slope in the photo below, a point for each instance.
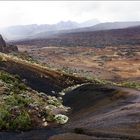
(4, 47)
(115, 37)
(35, 31)
(2, 44)
(108, 26)
(26, 31)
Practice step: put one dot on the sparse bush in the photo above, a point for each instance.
(135, 85)
(61, 119)
(54, 101)
(50, 118)
(6, 77)
(21, 121)
(4, 117)
(22, 108)
(21, 86)
(17, 100)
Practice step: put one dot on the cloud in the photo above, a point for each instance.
(42, 12)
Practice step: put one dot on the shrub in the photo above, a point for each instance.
(54, 101)
(22, 122)
(4, 117)
(6, 78)
(21, 86)
(17, 100)
(61, 119)
(131, 85)
(22, 108)
(50, 118)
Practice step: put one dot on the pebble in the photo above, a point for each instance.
(45, 124)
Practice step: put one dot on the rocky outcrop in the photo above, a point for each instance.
(2, 44)
(7, 48)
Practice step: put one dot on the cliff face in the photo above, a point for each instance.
(2, 44)
(6, 48)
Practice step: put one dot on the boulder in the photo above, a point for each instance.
(7, 48)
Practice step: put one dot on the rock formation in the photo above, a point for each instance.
(6, 48)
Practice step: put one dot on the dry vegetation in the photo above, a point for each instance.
(111, 63)
(94, 106)
(22, 108)
(99, 108)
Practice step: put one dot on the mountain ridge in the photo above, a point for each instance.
(23, 31)
(126, 36)
(47, 30)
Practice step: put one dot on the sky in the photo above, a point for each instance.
(51, 12)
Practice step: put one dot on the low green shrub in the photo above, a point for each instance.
(135, 85)
(21, 122)
(4, 117)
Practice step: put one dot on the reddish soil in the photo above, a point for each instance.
(110, 63)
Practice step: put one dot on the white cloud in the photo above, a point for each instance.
(41, 12)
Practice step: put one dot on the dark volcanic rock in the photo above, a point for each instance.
(2, 44)
(6, 48)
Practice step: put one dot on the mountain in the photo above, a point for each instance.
(6, 47)
(48, 30)
(34, 30)
(106, 26)
(24, 31)
(84, 27)
(110, 25)
(89, 23)
(114, 37)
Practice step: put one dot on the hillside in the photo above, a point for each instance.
(44, 91)
(29, 94)
(102, 112)
(37, 76)
(22, 108)
(71, 102)
(127, 36)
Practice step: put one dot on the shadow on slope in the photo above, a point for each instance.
(39, 78)
(104, 111)
(98, 112)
